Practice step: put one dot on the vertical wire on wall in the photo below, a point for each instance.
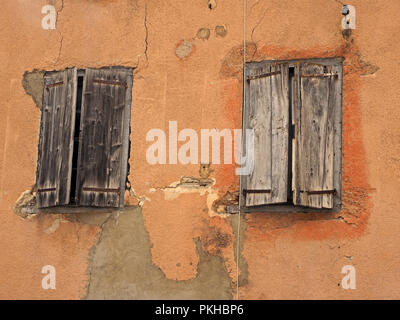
(244, 99)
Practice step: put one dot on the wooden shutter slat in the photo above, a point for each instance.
(56, 138)
(100, 153)
(267, 113)
(315, 107)
(280, 132)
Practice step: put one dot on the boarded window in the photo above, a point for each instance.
(101, 104)
(294, 108)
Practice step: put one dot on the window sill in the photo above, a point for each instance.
(77, 209)
(281, 208)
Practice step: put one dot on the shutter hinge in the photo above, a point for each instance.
(246, 191)
(269, 74)
(316, 75)
(116, 190)
(311, 192)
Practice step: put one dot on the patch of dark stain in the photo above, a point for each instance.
(220, 31)
(203, 33)
(346, 33)
(232, 63)
(215, 240)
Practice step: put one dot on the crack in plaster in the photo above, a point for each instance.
(146, 34)
(258, 23)
(59, 32)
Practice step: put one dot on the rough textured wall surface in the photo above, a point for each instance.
(174, 239)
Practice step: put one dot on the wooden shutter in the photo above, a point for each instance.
(317, 102)
(53, 178)
(100, 157)
(266, 111)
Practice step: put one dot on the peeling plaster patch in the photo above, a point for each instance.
(203, 33)
(121, 266)
(220, 31)
(90, 217)
(130, 195)
(33, 83)
(193, 185)
(230, 198)
(201, 185)
(184, 49)
(26, 204)
(188, 185)
(205, 170)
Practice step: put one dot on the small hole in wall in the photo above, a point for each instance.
(212, 4)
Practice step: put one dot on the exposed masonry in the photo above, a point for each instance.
(26, 203)
(33, 83)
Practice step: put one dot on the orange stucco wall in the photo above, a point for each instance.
(281, 255)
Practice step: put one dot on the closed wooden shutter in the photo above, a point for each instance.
(316, 106)
(53, 178)
(266, 111)
(101, 139)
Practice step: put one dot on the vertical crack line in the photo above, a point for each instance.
(59, 11)
(59, 32)
(258, 23)
(59, 50)
(146, 38)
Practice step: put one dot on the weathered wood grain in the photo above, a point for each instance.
(101, 140)
(317, 99)
(56, 138)
(267, 113)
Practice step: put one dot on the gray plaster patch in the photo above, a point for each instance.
(220, 31)
(203, 33)
(121, 266)
(184, 49)
(33, 83)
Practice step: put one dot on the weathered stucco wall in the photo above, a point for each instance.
(176, 241)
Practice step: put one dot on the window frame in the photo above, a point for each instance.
(125, 129)
(337, 176)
